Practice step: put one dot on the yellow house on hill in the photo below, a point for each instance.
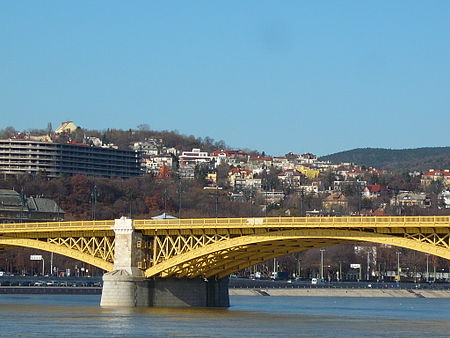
(68, 127)
(335, 201)
(308, 172)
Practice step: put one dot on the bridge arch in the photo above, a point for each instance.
(58, 249)
(227, 256)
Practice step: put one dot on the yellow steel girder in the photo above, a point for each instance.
(225, 263)
(59, 248)
(165, 247)
(328, 236)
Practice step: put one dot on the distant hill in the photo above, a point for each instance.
(392, 159)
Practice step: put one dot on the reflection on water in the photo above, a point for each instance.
(81, 316)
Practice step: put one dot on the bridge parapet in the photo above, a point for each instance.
(61, 227)
(292, 222)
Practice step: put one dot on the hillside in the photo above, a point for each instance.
(125, 138)
(395, 159)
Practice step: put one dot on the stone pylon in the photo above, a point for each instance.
(126, 284)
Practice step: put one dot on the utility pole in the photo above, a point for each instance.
(165, 200)
(23, 205)
(358, 188)
(368, 266)
(94, 201)
(321, 263)
(217, 200)
(58, 210)
(180, 191)
(302, 202)
(51, 264)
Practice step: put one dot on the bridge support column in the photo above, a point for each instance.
(126, 284)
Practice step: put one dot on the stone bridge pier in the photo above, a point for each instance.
(126, 285)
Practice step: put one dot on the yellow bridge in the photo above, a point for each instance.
(217, 247)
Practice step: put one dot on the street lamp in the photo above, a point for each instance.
(398, 264)
(428, 274)
(321, 263)
(340, 272)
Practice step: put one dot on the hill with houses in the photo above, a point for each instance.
(190, 177)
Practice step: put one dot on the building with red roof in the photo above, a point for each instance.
(436, 175)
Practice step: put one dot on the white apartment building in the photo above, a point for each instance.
(194, 157)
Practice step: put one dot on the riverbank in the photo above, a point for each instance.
(328, 292)
(274, 292)
(50, 290)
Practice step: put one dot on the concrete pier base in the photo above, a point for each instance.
(123, 290)
(197, 292)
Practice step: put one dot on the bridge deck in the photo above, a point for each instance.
(237, 223)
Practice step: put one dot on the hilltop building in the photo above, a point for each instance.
(194, 157)
(336, 201)
(411, 199)
(57, 159)
(66, 127)
(434, 176)
(291, 179)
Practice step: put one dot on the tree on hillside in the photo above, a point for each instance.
(7, 132)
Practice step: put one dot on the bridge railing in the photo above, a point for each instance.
(253, 222)
(56, 226)
(344, 221)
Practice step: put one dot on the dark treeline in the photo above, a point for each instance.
(84, 198)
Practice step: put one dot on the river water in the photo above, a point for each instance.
(81, 316)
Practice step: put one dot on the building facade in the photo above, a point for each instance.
(15, 207)
(57, 159)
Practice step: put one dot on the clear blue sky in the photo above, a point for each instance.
(276, 76)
